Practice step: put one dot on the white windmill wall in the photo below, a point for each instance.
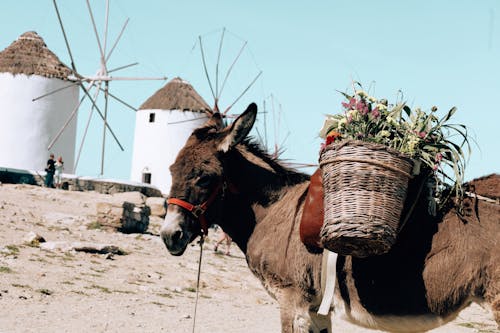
(156, 144)
(27, 127)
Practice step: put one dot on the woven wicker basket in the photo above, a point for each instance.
(365, 187)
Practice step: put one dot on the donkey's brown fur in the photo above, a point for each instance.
(437, 266)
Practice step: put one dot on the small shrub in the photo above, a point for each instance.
(94, 226)
(5, 269)
(44, 291)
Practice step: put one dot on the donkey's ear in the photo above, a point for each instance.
(239, 129)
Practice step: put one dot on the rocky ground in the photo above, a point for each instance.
(62, 287)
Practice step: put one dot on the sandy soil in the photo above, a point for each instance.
(146, 290)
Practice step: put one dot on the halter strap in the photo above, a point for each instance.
(198, 211)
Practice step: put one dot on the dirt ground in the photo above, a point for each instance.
(145, 290)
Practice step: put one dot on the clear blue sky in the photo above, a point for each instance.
(443, 53)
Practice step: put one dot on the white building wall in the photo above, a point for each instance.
(27, 127)
(156, 144)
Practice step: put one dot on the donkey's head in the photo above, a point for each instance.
(198, 179)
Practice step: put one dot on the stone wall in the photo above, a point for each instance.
(73, 183)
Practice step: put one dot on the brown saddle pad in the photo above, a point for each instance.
(312, 215)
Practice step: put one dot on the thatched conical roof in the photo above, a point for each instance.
(29, 55)
(176, 95)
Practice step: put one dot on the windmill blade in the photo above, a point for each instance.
(206, 71)
(121, 78)
(65, 37)
(96, 94)
(106, 27)
(117, 40)
(231, 68)
(55, 91)
(103, 61)
(217, 65)
(185, 121)
(102, 117)
(123, 67)
(265, 126)
(243, 93)
(71, 116)
(120, 100)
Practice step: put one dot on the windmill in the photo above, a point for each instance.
(270, 102)
(272, 139)
(92, 86)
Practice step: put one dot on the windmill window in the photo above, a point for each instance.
(146, 177)
(152, 117)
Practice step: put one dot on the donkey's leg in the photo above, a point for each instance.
(495, 307)
(291, 319)
(492, 287)
(296, 316)
(321, 324)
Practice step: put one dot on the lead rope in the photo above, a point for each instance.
(202, 239)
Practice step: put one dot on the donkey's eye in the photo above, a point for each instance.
(204, 181)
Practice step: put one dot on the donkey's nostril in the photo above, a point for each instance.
(176, 236)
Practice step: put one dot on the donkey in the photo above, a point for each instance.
(436, 268)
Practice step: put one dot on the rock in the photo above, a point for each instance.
(157, 205)
(82, 247)
(56, 246)
(33, 238)
(125, 216)
(98, 248)
(136, 198)
(135, 218)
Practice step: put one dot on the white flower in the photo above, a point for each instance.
(391, 121)
(353, 114)
(384, 134)
(342, 123)
(361, 93)
(412, 145)
(381, 107)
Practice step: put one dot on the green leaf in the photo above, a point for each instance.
(448, 115)
(407, 109)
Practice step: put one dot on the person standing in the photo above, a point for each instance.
(223, 237)
(59, 167)
(50, 169)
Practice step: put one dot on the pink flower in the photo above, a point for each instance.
(422, 135)
(375, 113)
(360, 106)
(438, 157)
(435, 167)
(350, 105)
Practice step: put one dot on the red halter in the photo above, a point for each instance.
(198, 211)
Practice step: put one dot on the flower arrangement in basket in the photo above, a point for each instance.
(372, 150)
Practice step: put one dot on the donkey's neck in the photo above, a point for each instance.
(260, 179)
(260, 182)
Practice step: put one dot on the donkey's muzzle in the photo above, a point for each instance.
(172, 234)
